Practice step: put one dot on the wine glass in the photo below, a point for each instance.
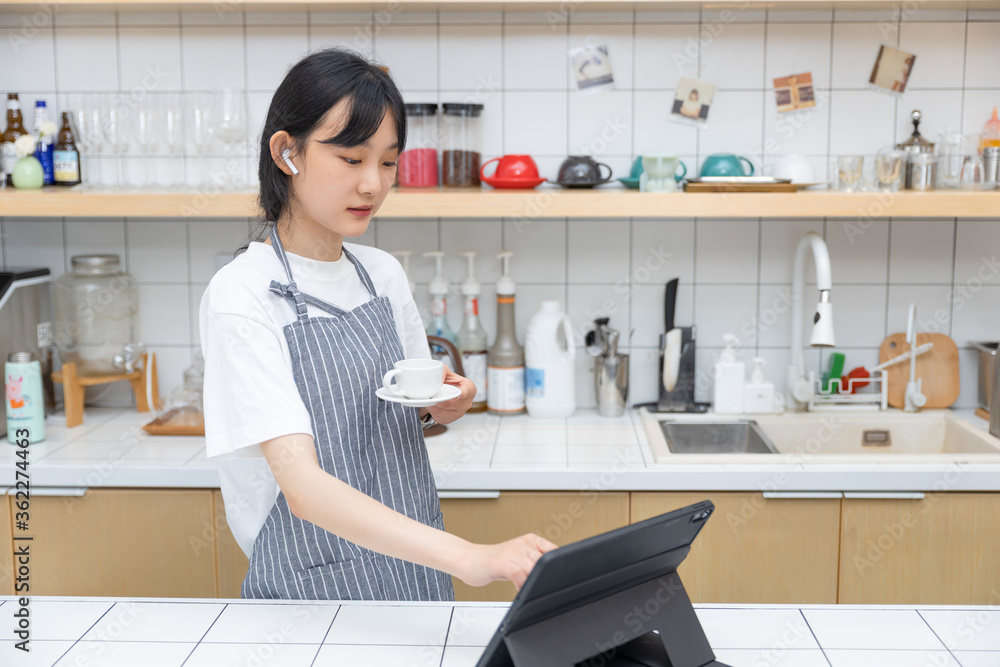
(199, 127)
(146, 126)
(229, 123)
(85, 114)
(115, 127)
(173, 135)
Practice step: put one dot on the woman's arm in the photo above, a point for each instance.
(320, 498)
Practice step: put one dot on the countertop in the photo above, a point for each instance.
(485, 453)
(211, 633)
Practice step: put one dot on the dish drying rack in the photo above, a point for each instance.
(873, 396)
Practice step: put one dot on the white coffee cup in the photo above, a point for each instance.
(796, 168)
(415, 378)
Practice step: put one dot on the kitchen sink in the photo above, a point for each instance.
(820, 437)
(877, 433)
(736, 437)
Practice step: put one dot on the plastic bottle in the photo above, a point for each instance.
(549, 356)
(730, 377)
(25, 400)
(759, 396)
(990, 135)
(505, 360)
(472, 342)
(438, 326)
(45, 145)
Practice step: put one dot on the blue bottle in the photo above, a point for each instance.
(25, 400)
(45, 147)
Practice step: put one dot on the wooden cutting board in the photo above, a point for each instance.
(938, 369)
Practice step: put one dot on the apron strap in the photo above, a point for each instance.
(362, 273)
(291, 290)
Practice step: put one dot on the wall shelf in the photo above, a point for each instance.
(524, 204)
(20, 6)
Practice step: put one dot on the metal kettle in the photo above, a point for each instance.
(610, 369)
(921, 163)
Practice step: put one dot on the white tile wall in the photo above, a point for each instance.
(735, 274)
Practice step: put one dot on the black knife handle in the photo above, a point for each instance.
(670, 304)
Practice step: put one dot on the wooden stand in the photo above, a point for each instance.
(74, 387)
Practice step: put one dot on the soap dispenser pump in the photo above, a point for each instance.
(439, 288)
(730, 376)
(758, 396)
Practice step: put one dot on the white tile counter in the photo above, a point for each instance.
(218, 633)
(486, 453)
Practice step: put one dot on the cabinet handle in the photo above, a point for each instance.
(450, 495)
(802, 495)
(884, 495)
(76, 491)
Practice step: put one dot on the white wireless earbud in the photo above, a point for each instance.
(284, 156)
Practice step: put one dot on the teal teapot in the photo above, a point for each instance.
(726, 164)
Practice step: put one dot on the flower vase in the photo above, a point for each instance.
(28, 173)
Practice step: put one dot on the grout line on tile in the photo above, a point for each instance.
(205, 634)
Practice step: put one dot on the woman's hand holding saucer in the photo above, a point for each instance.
(446, 412)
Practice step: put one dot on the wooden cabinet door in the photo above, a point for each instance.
(942, 549)
(756, 550)
(559, 517)
(230, 562)
(7, 540)
(124, 542)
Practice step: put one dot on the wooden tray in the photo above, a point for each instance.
(162, 426)
(937, 368)
(740, 187)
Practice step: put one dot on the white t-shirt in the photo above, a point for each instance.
(250, 394)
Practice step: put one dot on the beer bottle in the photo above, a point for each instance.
(66, 157)
(15, 128)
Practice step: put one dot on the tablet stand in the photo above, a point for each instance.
(601, 629)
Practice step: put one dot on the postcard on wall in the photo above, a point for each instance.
(794, 92)
(892, 70)
(591, 67)
(692, 101)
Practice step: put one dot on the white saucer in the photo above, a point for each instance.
(446, 393)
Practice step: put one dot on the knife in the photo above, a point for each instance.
(672, 339)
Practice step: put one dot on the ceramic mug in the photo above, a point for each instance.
(415, 378)
(582, 169)
(518, 167)
(795, 168)
(726, 164)
(659, 173)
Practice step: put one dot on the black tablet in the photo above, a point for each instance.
(570, 586)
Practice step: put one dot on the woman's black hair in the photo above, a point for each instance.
(309, 90)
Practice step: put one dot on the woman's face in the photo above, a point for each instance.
(341, 188)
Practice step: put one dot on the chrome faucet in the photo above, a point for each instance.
(799, 390)
(914, 398)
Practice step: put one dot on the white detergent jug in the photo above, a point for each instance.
(549, 359)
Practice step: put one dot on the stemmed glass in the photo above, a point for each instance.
(85, 112)
(115, 126)
(173, 135)
(146, 125)
(199, 127)
(229, 116)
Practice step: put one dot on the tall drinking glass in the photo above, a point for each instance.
(146, 126)
(230, 125)
(198, 124)
(173, 137)
(115, 127)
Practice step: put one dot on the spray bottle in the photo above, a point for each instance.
(438, 326)
(472, 341)
(505, 360)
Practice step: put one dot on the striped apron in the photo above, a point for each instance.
(375, 446)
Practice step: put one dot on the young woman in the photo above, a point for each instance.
(328, 489)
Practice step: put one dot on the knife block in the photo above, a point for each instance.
(681, 399)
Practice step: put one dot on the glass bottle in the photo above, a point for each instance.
(15, 128)
(66, 157)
